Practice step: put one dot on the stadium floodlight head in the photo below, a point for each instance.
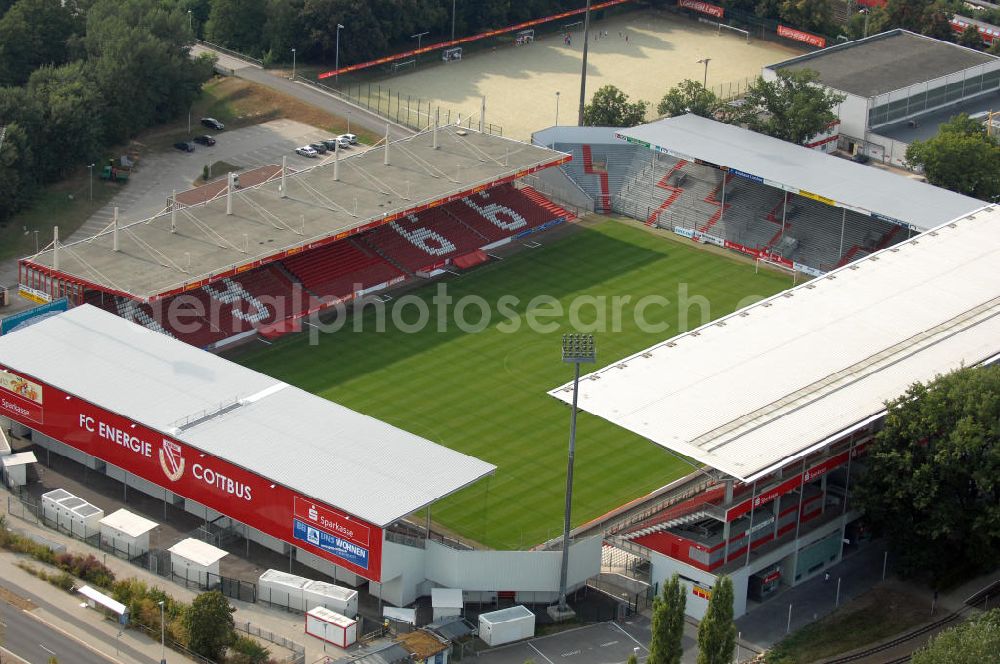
(578, 348)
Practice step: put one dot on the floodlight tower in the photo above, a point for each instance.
(583, 73)
(576, 350)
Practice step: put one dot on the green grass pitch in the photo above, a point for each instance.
(484, 393)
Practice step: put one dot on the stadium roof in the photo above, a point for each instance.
(169, 386)
(209, 244)
(798, 169)
(776, 380)
(885, 62)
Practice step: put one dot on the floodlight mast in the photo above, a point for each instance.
(576, 349)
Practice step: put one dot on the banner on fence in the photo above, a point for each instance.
(703, 7)
(800, 36)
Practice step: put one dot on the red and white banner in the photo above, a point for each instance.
(703, 7)
(799, 35)
(185, 471)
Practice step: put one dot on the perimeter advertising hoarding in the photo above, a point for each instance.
(185, 471)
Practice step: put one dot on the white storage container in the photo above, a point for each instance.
(196, 561)
(69, 513)
(50, 504)
(336, 598)
(506, 625)
(125, 533)
(283, 589)
(331, 627)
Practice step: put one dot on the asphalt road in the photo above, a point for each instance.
(28, 637)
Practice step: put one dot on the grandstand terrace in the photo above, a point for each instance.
(190, 246)
(780, 399)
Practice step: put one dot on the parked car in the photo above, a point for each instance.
(351, 138)
(306, 151)
(330, 143)
(212, 123)
(184, 146)
(204, 140)
(318, 147)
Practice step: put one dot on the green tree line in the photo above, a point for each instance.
(79, 76)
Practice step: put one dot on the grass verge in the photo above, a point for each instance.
(484, 393)
(876, 615)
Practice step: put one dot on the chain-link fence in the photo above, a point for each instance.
(298, 651)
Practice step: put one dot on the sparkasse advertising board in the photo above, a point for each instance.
(186, 471)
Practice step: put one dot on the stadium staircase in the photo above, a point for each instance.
(340, 269)
(601, 170)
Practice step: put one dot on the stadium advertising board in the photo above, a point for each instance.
(703, 7)
(800, 36)
(188, 472)
(817, 197)
(12, 322)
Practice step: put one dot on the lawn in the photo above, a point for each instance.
(876, 615)
(484, 393)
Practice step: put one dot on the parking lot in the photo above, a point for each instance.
(157, 175)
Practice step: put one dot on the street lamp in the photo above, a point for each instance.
(583, 73)
(90, 171)
(557, 108)
(336, 65)
(704, 81)
(190, 22)
(293, 64)
(163, 634)
(419, 37)
(865, 12)
(576, 349)
(453, 20)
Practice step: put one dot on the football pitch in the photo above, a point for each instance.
(484, 392)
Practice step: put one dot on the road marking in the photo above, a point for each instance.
(609, 643)
(629, 636)
(530, 645)
(51, 652)
(570, 653)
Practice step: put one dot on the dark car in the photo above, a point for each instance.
(318, 147)
(184, 146)
(212, 123)
(204, 140)
(330, 143)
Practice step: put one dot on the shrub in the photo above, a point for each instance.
(247, 651)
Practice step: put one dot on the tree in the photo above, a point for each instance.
(610, 107)
(689, 97)
(672, 604)
(932, 484)
(209, 625)
(34, 33)
(962, 158)
(717, 633)
(237, 24)
(972, 642)
(816, 15)
(794, 107)
(970, 37)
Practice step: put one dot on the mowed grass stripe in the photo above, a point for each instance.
(484, 393)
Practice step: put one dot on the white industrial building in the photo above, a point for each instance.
(899, 86)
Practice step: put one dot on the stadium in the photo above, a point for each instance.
(407, 461)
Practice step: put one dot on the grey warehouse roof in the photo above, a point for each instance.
(384, 473)
(773, 381)
(886, 62)
(795, 168)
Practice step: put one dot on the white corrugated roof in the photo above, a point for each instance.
(382, 473)
(198, 552)
(128, 523)
(763, 385)
(859, 187)
(102, 599)
(19, 459)
(447, 598)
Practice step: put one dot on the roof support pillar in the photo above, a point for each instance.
(173, 211)
(784, 215)
(482, 115)
(284, 170)
(229, 193)
(386, 160)
(114, 225)
(55, 247)
(843, 222)
(336, 161)
(434, 135)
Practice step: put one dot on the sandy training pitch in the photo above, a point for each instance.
(520, 82)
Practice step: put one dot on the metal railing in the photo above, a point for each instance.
(298, 651)
(230, 52)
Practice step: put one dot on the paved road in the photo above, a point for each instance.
(34, 641)
(328, 102)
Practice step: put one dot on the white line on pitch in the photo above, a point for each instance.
(51, 652)
(540, 653)
(629, 636)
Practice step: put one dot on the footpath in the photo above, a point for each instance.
(63, 610)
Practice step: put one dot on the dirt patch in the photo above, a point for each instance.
(14, 599)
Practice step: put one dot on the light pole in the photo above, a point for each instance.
(163, 634)
(453, 20)
(419, 37)
(865, 12)
(293, 61)
(90, 171)
(190, 22)
(337, 62)
(576, 349)
(557, 108)
(704, 81)
(583, 73)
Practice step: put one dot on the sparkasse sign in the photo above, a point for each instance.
(196, 475)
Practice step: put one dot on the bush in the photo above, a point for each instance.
(247, 651)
